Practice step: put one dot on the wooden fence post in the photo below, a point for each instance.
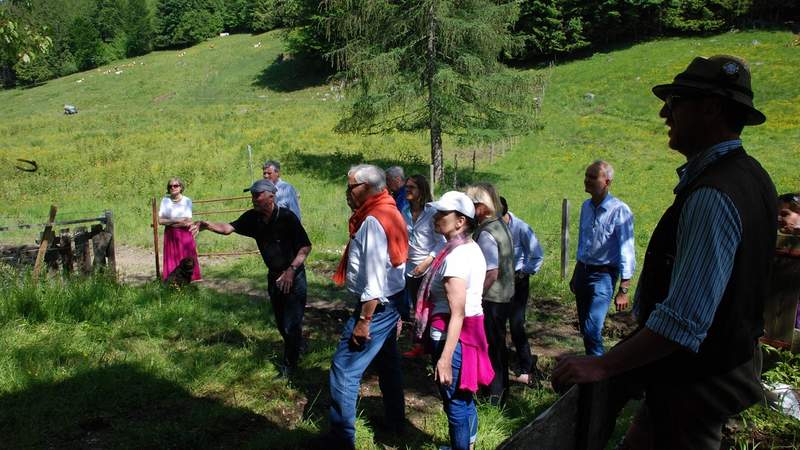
(67, 257)
(46, 237)
(111, 252)
(155, 237)
(564, 237)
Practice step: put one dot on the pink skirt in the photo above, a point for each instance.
(179, 244)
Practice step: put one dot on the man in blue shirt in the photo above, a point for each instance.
(287, 196)
(700, 299)
(396, 184)
(605, 252)
(528, 257)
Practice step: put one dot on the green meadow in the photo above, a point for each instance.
(95, 364)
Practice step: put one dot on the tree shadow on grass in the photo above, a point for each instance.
(289, 73)
(124, 406)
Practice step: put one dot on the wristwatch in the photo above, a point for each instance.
(366, 318)
(624, 290)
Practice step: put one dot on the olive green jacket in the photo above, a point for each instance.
(503, 289)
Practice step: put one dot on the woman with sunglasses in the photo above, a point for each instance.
(423, 241)
(450, 317)
(175, 214)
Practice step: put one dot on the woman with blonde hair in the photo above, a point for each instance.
(175, 213)
(494, 240)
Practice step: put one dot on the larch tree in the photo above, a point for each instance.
(430, 65)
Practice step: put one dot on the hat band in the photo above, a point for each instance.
(734, 87)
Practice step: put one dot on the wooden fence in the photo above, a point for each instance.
(91, 248)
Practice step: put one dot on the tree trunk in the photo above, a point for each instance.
(437, 158)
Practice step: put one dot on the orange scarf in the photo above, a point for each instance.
(382, 207)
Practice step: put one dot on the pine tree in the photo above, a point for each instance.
(138, 28)
(430, 65)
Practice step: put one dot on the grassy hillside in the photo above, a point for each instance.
(192, 113)
(197, 366)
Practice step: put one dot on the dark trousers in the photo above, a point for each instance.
(519, 302)
(495, 317)
(288, 310)
(410, 302)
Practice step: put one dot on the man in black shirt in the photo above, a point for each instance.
(284, 246)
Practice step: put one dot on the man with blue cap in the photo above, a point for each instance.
(284, 246)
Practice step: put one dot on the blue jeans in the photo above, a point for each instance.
(593, 292)
(288, 310)
(459, 405)
(350, 362)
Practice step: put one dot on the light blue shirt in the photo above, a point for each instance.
(709, 233)
(528, 253)
(605, 236)
(287, 197)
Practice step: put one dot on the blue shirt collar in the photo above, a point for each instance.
(603, 204)
(696, 165)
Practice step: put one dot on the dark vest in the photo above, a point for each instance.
(738, 321)
(501, 290)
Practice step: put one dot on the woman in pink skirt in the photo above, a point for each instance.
(175, 214)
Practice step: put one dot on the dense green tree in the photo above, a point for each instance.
(138, 28)
(21, 40)
(270, 14)
(549, 27)
(85, 44)
(187, 22)
(430, 65)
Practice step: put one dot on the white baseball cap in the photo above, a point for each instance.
(455, 201)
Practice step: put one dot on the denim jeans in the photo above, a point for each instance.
(289, 309)
(593, 292)
(459, 405)
(350, 362)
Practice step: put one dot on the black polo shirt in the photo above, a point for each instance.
(278, 237)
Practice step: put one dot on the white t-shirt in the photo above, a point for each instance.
(175, 210)
(466, 262)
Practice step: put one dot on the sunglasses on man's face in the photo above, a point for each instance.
(350, 187)
(174, 186)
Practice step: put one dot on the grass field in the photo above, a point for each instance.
(196, 365)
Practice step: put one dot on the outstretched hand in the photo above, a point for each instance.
(577, 370)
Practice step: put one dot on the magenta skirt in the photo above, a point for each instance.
(179, 244)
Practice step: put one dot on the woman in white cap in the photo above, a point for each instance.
(175, 213)
(450, 317)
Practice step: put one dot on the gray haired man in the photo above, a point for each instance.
(287, 197)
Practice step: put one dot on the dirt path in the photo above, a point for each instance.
(552, 325)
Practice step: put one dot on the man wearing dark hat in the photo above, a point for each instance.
(284, 246)
(701, 294)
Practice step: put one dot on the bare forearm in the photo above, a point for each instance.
(640, 349)
(217, 227)
(302, 254)
(491, 277)
(368, 307)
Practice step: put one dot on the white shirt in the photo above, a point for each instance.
(423, 241)
(465, 262)
(370, 273)
(182, 209)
